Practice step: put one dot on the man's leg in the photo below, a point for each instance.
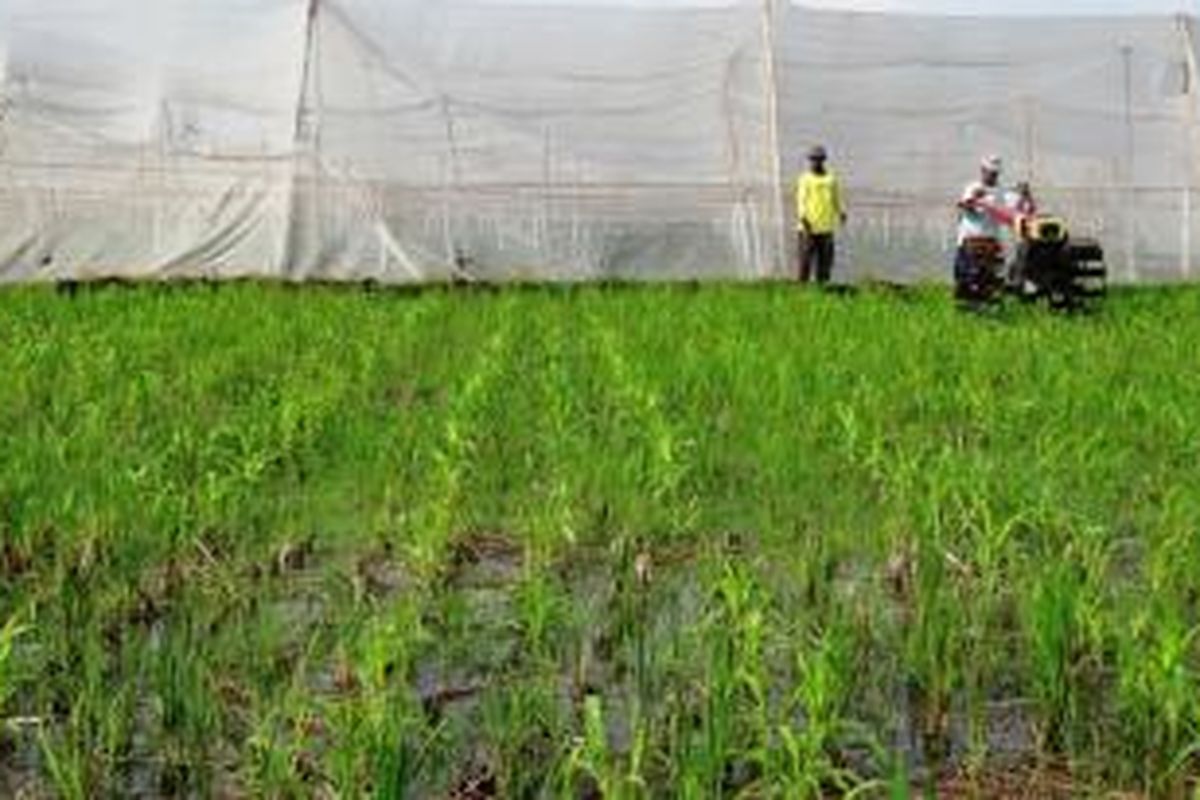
(962, 273)
(824, 257)
(806, 255)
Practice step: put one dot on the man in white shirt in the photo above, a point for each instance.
(979, 229)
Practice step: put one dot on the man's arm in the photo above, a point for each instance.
(971, 197)
(802, 203)
(839, 203)
(976, 202)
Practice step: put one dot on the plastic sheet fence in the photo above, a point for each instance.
(424, 140)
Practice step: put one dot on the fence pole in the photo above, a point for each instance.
(774, 156)
(305, 147)
(1130, 194)
(1187, 40)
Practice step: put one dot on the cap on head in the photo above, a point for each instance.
(817, 153)
(991, 164)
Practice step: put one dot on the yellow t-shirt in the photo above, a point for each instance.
(819, 200)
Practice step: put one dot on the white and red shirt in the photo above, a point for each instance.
(977, 223)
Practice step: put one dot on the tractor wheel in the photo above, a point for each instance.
(1084, 250)
(1059, 300)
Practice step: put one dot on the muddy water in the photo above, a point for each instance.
(481, 650)
(21, 759)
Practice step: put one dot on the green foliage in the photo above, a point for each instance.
(9, 634)
(657, 541)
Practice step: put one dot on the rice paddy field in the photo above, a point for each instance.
(759, 542)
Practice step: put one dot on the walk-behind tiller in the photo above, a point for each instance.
(1047, 264)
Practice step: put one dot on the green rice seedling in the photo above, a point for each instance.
(1183, 773)
(1052, 608)
(807, 763)
(660, 465)
(186, 711)
(72, 710)
(115, 741)
(396, 745)
(593, 766)
(1157, 689)
(282, 725)
(541, 609)
(271, 758)
(721, 745)
(388, 645)
(84, 727)
(1158, 656)
(934, 629)
(103, 708)
(388, 740)
(167, 449)
(552, 514)
(629, 611)
(65, 765)
(986, 598)
(525, 736)
(344, 762)
(13, 630)
(438, 514)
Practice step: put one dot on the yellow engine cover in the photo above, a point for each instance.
(1045, 229)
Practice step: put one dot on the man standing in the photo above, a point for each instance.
(819, 211)
(979, 231)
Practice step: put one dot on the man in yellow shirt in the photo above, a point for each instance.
(819, 212)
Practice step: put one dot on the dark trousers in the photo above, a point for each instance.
(977, 271)
(965, 269)
(816, 249)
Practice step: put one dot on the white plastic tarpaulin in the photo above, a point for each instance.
(147, 139)
(416, 140)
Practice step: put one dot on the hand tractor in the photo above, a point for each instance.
(1051, 264)
(1048, 263)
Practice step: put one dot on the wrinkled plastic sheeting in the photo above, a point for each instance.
(397, 141)
(518, 142)
(424, 140)
(146, 140)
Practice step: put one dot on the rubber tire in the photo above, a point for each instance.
(1082, 250)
